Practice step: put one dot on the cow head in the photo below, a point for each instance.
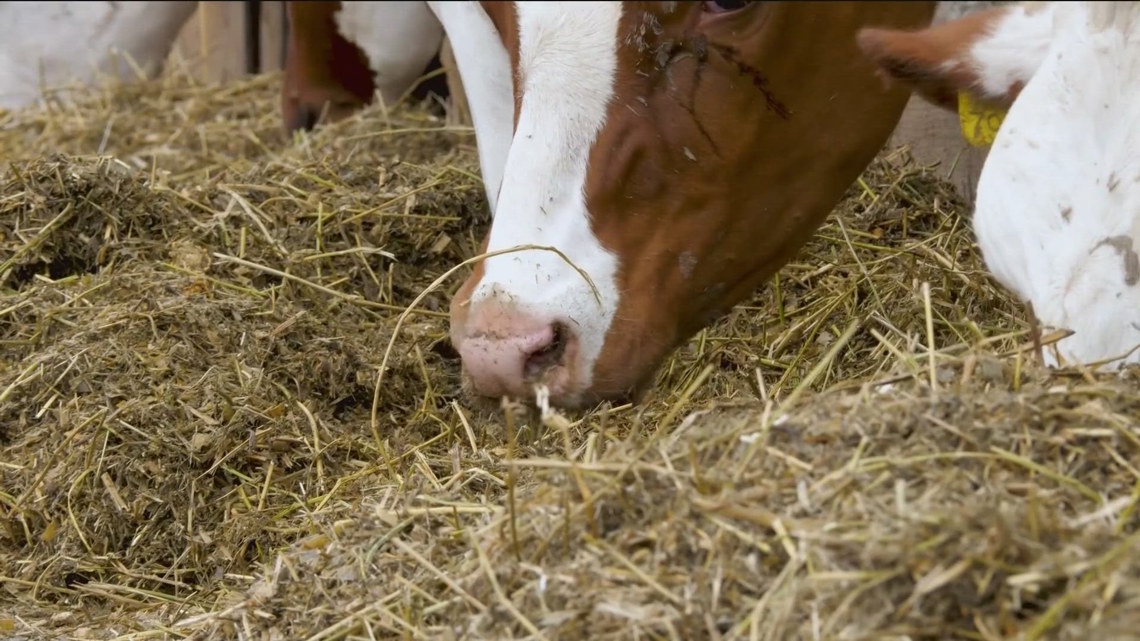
(661, 158)
(676, 154)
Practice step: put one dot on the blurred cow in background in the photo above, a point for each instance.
(44, 45)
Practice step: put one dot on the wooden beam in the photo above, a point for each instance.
(213, 44)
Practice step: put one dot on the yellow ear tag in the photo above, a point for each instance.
(980, 124)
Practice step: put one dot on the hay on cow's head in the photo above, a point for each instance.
(194, 311)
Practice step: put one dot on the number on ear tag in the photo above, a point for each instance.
(980, 124)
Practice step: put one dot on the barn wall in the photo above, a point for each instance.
(212, 44)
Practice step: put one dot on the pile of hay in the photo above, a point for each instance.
(193, 445)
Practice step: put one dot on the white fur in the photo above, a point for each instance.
(45, 45)
(1017, 45)
(567, 64)
(1073, 133)
(485, 67)
(399, 38)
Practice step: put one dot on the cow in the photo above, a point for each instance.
(1057, 214)
(673, 155)
(328, 76)
(50, 44)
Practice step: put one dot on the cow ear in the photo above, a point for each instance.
(989, 55)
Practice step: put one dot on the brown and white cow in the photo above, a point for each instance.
(329, 75)
(676, 154)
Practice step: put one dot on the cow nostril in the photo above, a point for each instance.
(304, 118)
(549, 356)
(309, 118)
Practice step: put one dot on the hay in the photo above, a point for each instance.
(194, 310)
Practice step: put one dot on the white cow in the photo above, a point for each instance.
(44, 45)
(1058, 206)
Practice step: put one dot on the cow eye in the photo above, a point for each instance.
(724, 6)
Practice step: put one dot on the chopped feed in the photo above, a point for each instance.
(192, 443)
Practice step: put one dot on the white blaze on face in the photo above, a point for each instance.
(567, 65)
(50, 44)
(1058, 205)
